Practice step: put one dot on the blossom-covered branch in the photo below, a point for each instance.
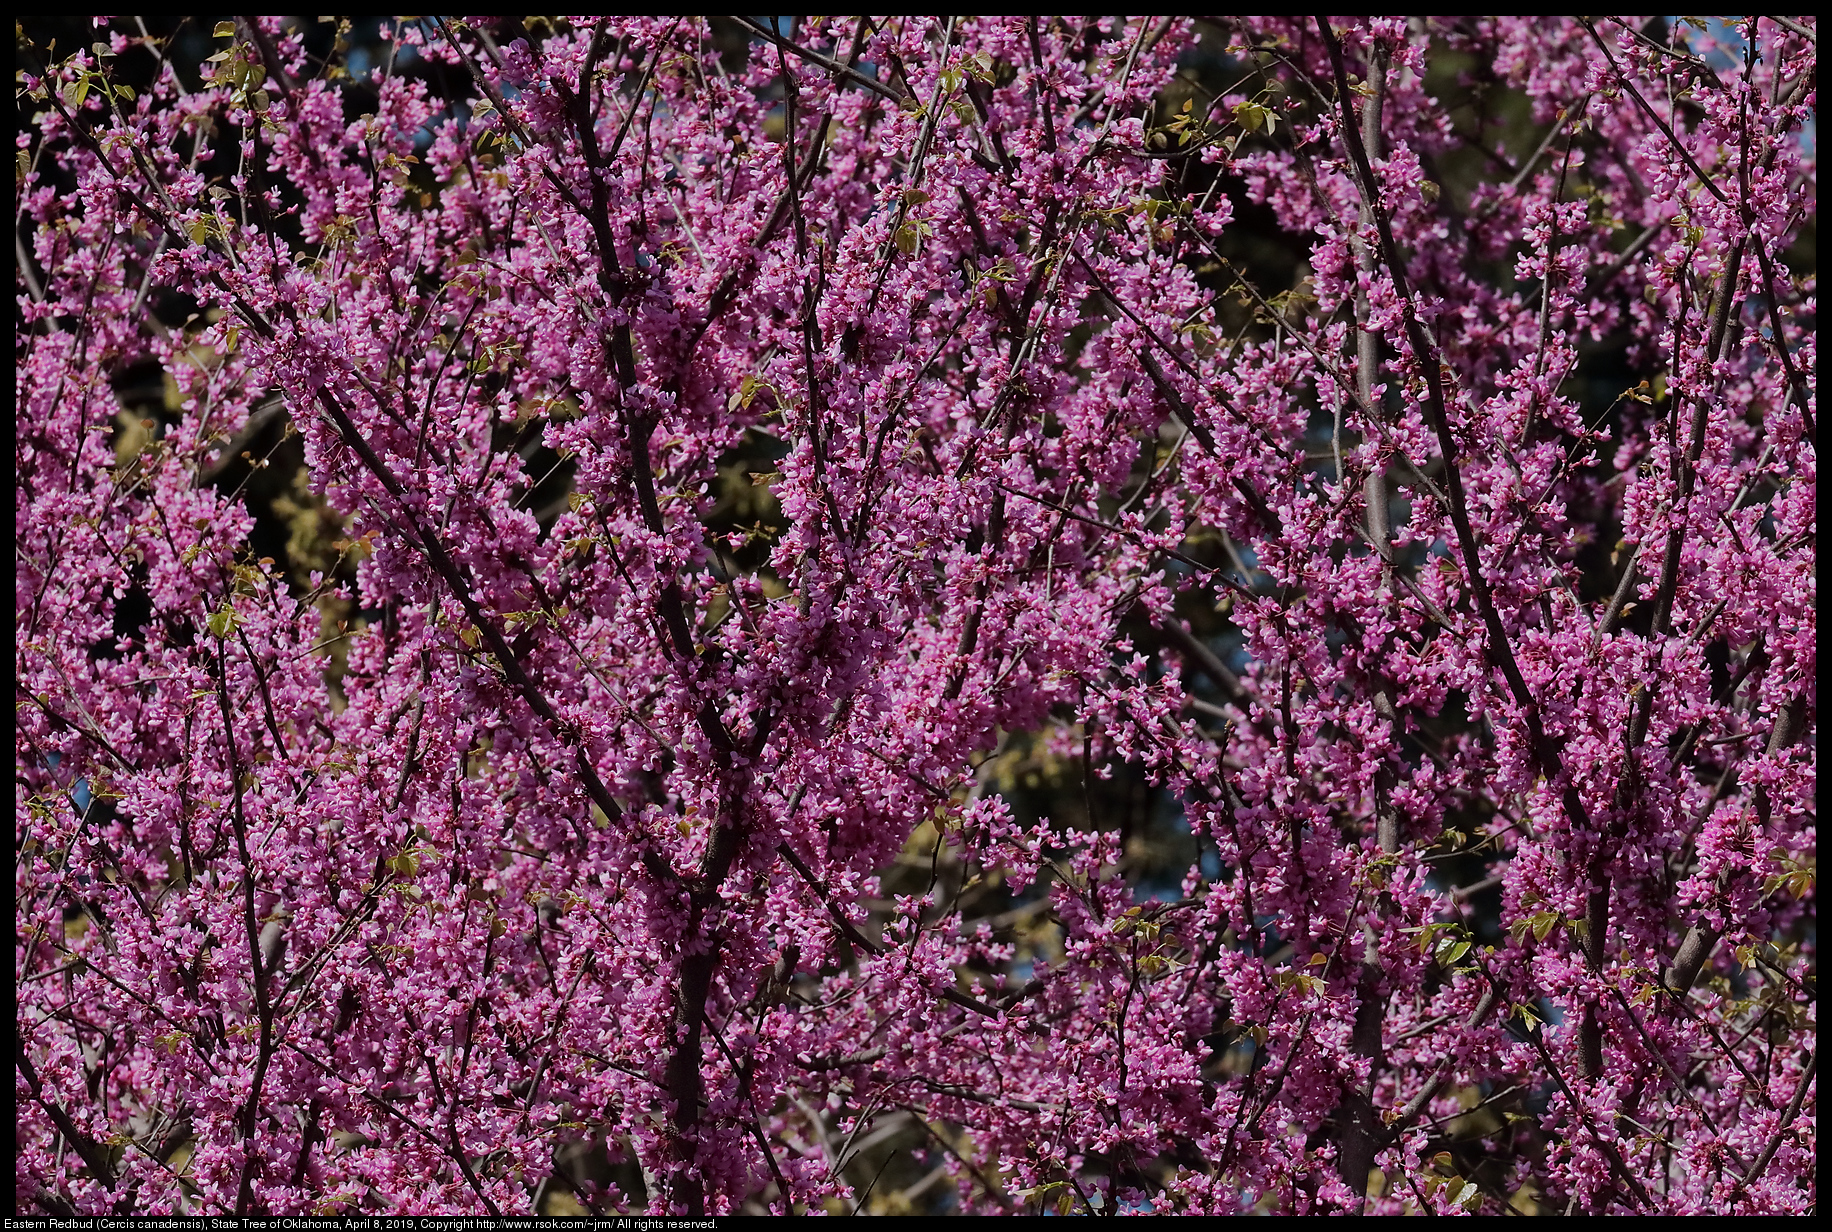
(916, 614)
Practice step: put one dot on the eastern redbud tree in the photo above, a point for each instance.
(915, 614)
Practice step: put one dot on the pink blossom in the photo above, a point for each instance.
(732, 457)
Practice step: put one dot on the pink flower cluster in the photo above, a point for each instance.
(579, 834)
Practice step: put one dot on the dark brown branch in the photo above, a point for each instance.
(1653, 115)
(448, 570)
(1716, 338)
(1414, 1106)
(1796, 382)
(251, 1109)
(1786, 1127)
(1702, 938)
(952, 995)
(90, 1151)
(1204, 658)
(270, 59)
(52, 1203)
(1427, 357)
(1625, 586)
(1608, 1149)
(845, 71)
(464, 1165)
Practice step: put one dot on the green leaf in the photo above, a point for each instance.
(224, 29)
(222, 622)
(748, 389)
(1253, 117)
(1428, 935)
(909, 236)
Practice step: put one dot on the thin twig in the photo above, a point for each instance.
(814, 57)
